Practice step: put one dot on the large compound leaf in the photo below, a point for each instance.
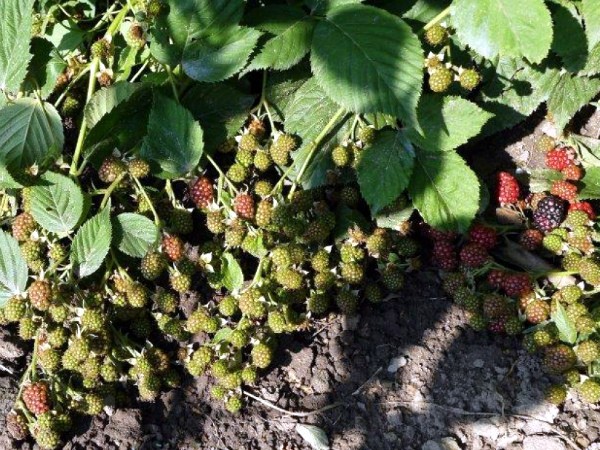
(447, 122)
(444, 190)
(189, 18)
(174, 141)
(570, 41)
(591, 184)
(106, 99)
(220, 108)
(368, 60)
(424, 10)
(57, 203)
(30, 133)
(221, 55)
(91, 244)
(44, 68)
(13, 268)
(282, 86)
(505, 28)
(384, 169)
(134, 234)
(324, 6)
(591, 16)
(15, 24)
(293, 32)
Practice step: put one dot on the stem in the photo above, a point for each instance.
(218, 169)
(139, 72)
(172, 82)
(147, 198)
(79, 76)
(315, 144)
(30, 369)
(110, 190)
(290, 413)
(437, 19)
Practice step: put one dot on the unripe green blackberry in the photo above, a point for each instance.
(350, 196)
(47, 439)
(70, 106)
(203, 356)
(149, 388)
(79, 348)
(219, 368)
(373, 293)
(234, 404)
(93, 320)
(570, 262)
(320, 261)
(316, 231)
(281, 257)
(36, 265)
(589, 391)
(153, 265)
(22, 226)
(262, 355)
(248, 142)
(392, 278)
(228, 306)
(171, 379)
(195, 322)
(575, 310)
(263, 188)
(109, 372)
(27, 328)
(180, 221)
(142, 326)
(440, 79)
(262, 161)
(377, 244)
(137, 295)
(276, 322)
(436, 35)
(218, 392)
(556, 394)
(159, 360)
(537, 311)
(249, 375)
(93, 404)
(553, 243)
(589, 270)
(110, 169)
(570, 294)
(367, 134)
(57, 337)
(101, 49)
(57, 252)
(245, 157)
(351, 253)
(585, 324)
(234, 235)
(297, 253)
(324, 280)
(513, 326)
(529, 344)
(239, 338)
(353, 273)
(214, 222)
(289, 278)
(469, 79)
(544, 337)
(166, 301)
(341, 156)
(237, 173)
(572, 377)
(251, 307)
(153, 8)
(280, 150)
(180, 282)
(32, 251)
(588, 351)
(135, 36)
(231, 380)
(264, 213)
(15, 309)
(138, 168)
(478, 322)
(90, 368)
(318, 303)
(347, 301)
(49, 360)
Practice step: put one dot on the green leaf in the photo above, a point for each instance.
(569, 41)
(30, 133)
(293, 32)
(425, 10)
(566, 328)
(134, 234)
(220, 56)
(444, 190)
(66, 36)
(44, 68)
(15, 34)
(568, 94)
(220, 108)
(504, 28)
(13, 268)
(233, 277)
(282, 87)
(346, 219)
(187, 19)
(106, 99)
(592, 64)
(541, 180)
(394, 219)
(447, 122)
(57, 203)
(591, 16)
(384, 169)
(91, 244)
(591, 184)
(324, 6)
(368, 60)
(7, 181)
(174, 141)
(222, 335)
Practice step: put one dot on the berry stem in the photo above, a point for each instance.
(437, 19)
(221, 173)
(172, 81)
(144, 194)
(29, 373)
(72, 83)
(315, 145)
(110, 190)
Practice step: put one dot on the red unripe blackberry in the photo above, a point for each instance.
(444, 255)
(565, 190)
(22, 226)
(202, 193)
(40, 294)
(560, 158)
(497, 326)
(474, 255)
(559, 358)
(173, 247)
(531, 239)
(549, 213)
(453, 281)
(484, 236)
(537, 311)
(495, 306)
(516, 284)
(110, 169)
(36, 397)
(244, 206)
(507, 188)
(585, 207)
(495, 278)
(257, 128)
(572, 172)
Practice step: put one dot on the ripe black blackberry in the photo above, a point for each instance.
(549, 213)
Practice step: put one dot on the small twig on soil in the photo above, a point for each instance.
(217, 433)
(463, 412)
(371, 378)
(291, 413)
